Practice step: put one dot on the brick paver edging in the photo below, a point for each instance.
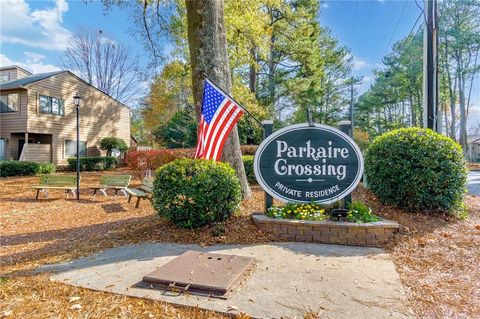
(328, 232)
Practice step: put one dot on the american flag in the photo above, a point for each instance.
(220, 113)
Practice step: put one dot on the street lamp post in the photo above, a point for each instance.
(76, 101)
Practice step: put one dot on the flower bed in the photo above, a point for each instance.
(357, 212)
(313, 223)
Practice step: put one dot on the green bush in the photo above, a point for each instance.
(417, 169)
(25, 168)
(46, 168)
(112, 143)
(193, 193)
(93, 163)
(18, 168)
(248, 164)
(358, 212)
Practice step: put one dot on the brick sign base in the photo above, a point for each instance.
(328, 232)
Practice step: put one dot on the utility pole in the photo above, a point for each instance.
(430, 66)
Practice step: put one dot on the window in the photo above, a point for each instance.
(51, 105)
(9, 103)
(3, 147)
(71, 147)
(4, 77)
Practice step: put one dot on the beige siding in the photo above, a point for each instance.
(14, 73)
(37, 152)
(100, 115)
(11, 74)
(22, 73)
(15, 122)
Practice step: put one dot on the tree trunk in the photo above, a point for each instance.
(208, 54)
(462, 140)
(451, 94)
(271, 75)
(252, 80)
(453, 120)
(413, 114)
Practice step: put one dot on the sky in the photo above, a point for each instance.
(34, 34)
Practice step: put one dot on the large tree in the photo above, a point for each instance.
(395, 98)
(104, 63)
(208, 55)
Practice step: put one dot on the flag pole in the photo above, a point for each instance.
(246, 111)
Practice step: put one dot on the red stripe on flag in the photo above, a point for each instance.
(213, 139)
(207, 135)
(224, 133)
(227, 133)
(200, 143)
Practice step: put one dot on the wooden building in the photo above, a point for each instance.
(473, 148)
(38, 121)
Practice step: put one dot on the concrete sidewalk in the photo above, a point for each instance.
(289, 279)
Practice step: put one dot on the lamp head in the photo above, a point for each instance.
(76, 100)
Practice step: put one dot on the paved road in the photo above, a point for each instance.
(473, 183)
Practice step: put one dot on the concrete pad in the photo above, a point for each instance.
(289, 279)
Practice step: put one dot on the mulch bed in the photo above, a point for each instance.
(437, 256)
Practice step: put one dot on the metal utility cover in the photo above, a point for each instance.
(201, 272)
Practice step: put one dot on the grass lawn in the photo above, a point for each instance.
(437, 257)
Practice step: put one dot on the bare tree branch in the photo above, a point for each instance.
(104, 63)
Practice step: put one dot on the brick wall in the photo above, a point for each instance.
(328, 232)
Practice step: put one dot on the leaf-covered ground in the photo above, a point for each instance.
(437, 257)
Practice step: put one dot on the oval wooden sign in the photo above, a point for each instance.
(302, 163)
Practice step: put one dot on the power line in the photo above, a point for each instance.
(390, 20)
(365, 29)
(413, 39)
(354, 20)
(406, 39)
(396, 26)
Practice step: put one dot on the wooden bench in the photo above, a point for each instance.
(145, 191)
(115, 182)
(64, 182)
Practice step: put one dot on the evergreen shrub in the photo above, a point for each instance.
(93, 163)
(18, 168)
(417, 169)
(193, 193)
(248, 164)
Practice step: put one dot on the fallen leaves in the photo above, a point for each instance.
(76, 306)
(437, 256)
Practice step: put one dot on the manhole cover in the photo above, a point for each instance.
(204, 273)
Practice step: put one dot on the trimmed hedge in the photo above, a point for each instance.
(417, 169)
(248, 164)
(193, 193)
(93, 163)
(25, 168)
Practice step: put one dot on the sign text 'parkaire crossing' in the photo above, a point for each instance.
(302, 163)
